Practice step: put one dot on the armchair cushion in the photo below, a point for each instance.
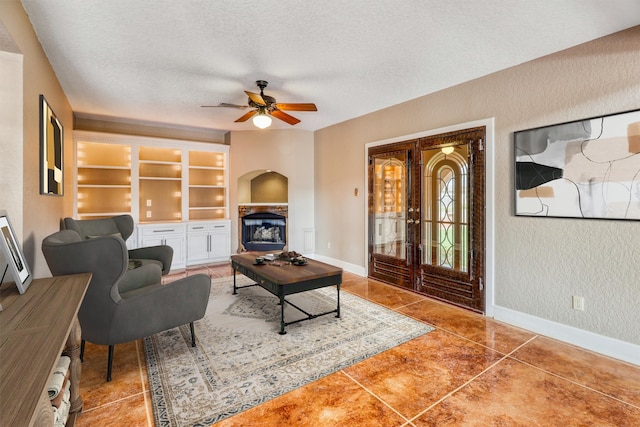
(161, 255)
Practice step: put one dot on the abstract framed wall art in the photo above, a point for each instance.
(587, 168)
(51, 151)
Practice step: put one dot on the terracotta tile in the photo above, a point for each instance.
(416, 374)
(353, 280)
(473, 326)
(220, 270)
(409, 378)
(94, 388)
(130, 411)
(142, 365)
(334, 400)
(194, 271)
(515, 394)
(173, 276)
(380, 293)
(149, 407)
(609, 376)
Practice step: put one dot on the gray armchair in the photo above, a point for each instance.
(123, 303)
(123, 226)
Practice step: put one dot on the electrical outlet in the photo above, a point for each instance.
(148, 214)
(577, 303)
(148, 202)
(328, 245)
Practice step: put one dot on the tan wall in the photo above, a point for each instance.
(11, 137)
(540, 262)
(269, 187)
(288, 152)
(41, 214)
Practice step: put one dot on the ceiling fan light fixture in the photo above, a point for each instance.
(262, 120)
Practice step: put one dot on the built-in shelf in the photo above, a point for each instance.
(103, 179)
(207, 186)
(160, 174)
(102, 186)
(102, 214)
(154, 180)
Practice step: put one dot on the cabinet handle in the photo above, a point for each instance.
(209, 243)
(163, 231)
(197, 228)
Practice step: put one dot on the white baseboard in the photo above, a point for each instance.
(351, 268)
(611, 347)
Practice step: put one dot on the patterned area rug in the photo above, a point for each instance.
(241, 361)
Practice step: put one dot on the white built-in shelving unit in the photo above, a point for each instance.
(163, 184)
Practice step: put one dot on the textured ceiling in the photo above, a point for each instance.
(159, 61)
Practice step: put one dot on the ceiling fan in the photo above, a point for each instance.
(266, 106)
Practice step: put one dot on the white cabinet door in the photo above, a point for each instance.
(152, 241)
(173, 235)
(176, 241)
(208, 241)
(220, 244)
(197, 247)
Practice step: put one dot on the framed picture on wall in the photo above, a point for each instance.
(587, 168)
(51, 151)
(13, 255)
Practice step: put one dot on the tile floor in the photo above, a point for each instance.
(470, 371)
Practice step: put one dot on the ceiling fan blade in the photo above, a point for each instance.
(297, 107)
(247, 116)
(226, 105)
(285, 117)
(255, 97)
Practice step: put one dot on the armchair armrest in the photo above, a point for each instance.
(140, 277)
(149, 310)
(162, 253)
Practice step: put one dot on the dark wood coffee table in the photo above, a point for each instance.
(282, 278)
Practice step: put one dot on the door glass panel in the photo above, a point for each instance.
(390, 207)
(445, 208)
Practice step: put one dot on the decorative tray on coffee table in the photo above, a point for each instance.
(293, 257)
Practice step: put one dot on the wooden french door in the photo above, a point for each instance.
(426, 216)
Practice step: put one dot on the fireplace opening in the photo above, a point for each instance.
(264, 231)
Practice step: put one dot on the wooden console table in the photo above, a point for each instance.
(35, 329)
